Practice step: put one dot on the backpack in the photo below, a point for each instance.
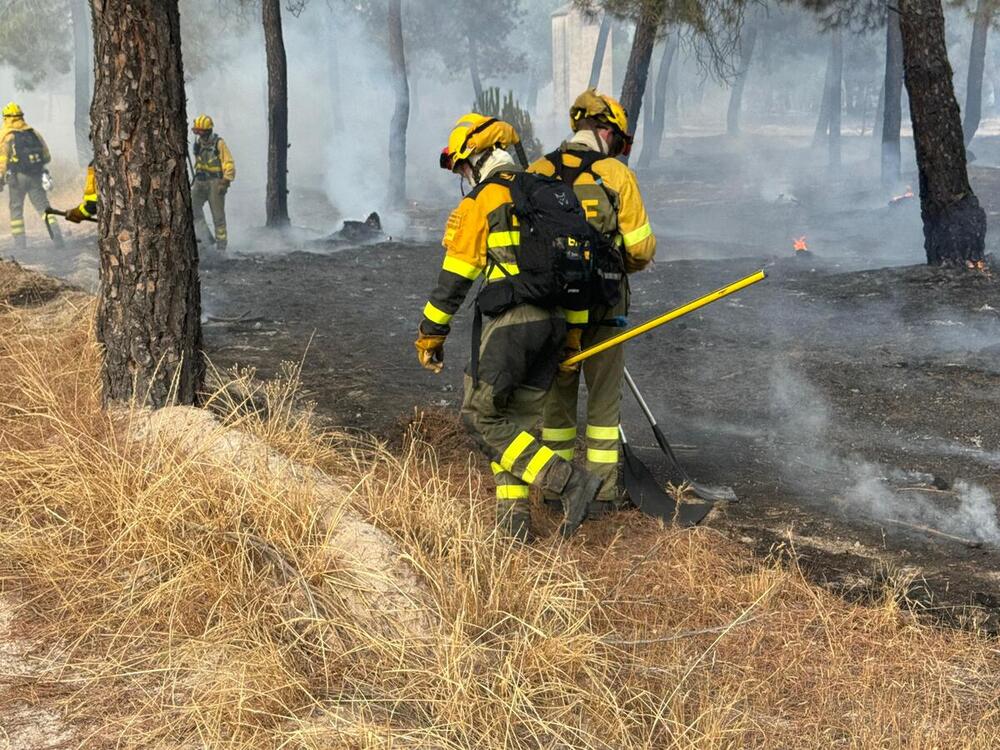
(28, 153)
(557, 254)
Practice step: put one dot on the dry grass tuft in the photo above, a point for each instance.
(180, 602)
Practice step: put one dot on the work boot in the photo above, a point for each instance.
(580, 491)
(220, 245)
(599, 509)
(517, 523)
(552, 502)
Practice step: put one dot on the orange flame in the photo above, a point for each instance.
(800, 244)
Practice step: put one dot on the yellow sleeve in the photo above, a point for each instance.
(89, 205)
(633, 224)
(465, 235)
(5, 138)
(464, 260)
(228, 165)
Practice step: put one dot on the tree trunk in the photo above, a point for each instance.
(954, 222)
(747, 43)
(599, 51)
(477, 81)
(276, 208)
(877, 125)
(977, 65)
(83, 55)
(836, 96)
(401, 111)
(654, 135)
(148, 316)
(637, 70)
(823, 122)
(892, 113)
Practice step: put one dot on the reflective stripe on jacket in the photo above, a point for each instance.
(483, 222)
(213, 158)
(614, 207)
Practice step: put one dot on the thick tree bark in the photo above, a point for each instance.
(148, 316)
(654, 134)
(836, 96)
(954, 222)
(83, 55)
(276, 201)
(892, 112)
(878, 124)
(637, 70)
(747, 43)
(599, 50)
(977, 65)
(401, 111)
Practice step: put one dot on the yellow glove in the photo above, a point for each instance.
(430, 351)
(75, 215)
(634, 265)
(572, 346)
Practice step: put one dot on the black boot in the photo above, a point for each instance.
(579, 492)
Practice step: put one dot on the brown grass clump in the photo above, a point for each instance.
(180, 601)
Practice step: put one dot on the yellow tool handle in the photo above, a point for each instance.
(680, 312)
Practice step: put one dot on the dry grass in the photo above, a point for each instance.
(167, 598)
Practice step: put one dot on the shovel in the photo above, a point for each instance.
(649, 497)
(678, 475)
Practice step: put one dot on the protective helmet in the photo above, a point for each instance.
(13, 110)
(473, 134)
(202, 124)
(603, 108)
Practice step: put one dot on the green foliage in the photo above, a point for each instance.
(35, 40)
(507, 109)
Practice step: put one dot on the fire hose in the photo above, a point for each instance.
(667, 317)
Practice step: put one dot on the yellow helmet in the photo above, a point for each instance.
(598, 107)
(13, 110)
(474, 133)
(202, 124)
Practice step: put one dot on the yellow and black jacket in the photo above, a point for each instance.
(89, 205)
(213, 159)
(609, 193)
(483, 222)
(15, 128)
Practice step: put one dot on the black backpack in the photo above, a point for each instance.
(28, 155)
(557, 257)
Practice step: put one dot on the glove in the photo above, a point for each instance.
(47, 183)
(571, 347)
(75, 215)
(430, 351)
(634, 265)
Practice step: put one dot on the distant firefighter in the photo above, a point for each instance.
(88, 206)
(23, 160)
(214, 171)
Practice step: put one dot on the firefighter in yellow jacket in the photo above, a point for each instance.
(23, 159)
(609, 194)
(88, 206)
(519, 348)
(214, 172)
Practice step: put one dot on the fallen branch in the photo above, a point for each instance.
(971, 543)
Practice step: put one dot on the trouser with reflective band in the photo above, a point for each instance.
(604, 376)
(213, 192)
(21, 186)
(518, 357)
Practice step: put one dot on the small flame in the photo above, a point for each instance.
(800, 244)
(905, 196)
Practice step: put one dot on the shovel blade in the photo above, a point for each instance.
(650, 498)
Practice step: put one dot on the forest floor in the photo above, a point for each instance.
(849, 400)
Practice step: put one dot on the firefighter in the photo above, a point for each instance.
(88, 206)
(518, 353)
(609, 194)
(23, 160)
(214, 172)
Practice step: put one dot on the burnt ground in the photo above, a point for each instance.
(853, 390)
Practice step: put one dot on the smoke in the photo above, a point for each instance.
(815, 456)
